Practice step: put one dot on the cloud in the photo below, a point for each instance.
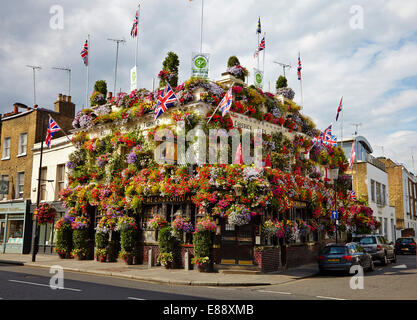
(374, 68)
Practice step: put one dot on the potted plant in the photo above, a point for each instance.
(64, 243)
(167, 246)
(80, 237)
(101, 254)
(202, 263)
(202, 244)
(166, 259)
(127, 227)
(45, 213)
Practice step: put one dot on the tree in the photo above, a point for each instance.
(170, 64)
(101, 86)
(281, 82)
(233, 61)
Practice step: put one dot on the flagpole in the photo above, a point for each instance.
(61, 129)
(263, 67)
(301, 84)
(341, 127)
(88, 63)
(257, 47)
(201, 27)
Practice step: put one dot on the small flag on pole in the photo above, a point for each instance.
(166, 100)
(261, 47)
(84, 53)
(258, 29)
(226, 102)
(134, 31)
(50, 132)
(299, 67)
(352, 195)
(339, 108)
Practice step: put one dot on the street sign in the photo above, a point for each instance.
(133, 79)
(335, 215)
(200, 65)
(259, 78)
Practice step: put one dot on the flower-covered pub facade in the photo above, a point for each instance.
(221, 212)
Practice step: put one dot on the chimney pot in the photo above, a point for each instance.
(60, 97)
(35, 106)
(69, 98)
(64, 98)
(15, 109)
(109, 95)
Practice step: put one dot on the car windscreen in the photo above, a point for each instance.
(334, 250)
(365, 240)
(406, 240)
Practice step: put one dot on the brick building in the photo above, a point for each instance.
(403, 195)
(20, 130)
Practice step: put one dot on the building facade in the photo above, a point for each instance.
(370, 182)
(403, 195)
(20, 130)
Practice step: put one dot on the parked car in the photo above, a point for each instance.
(405, 245)
(378, 247)
(341, 257)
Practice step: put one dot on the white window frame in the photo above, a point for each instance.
(5, 147)
(19, 195)
(19, 152)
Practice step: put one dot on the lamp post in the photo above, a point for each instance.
(335, 176)
(238, 188)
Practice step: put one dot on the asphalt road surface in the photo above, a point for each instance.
(392, 282)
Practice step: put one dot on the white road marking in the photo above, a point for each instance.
(401, 266)
(43, 285)
(133, 298)
(331, 298)
(267, 291)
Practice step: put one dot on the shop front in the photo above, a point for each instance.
(15, 227)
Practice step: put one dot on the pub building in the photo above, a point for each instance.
(243, 246)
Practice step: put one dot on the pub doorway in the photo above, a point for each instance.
(237, 243)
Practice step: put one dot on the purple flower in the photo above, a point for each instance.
(131, 158)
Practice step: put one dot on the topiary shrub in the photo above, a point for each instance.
(167, 247)
(281, 83)
(169, 73)
(64, 243)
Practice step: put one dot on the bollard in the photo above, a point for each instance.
(150, 258)
(186, 261)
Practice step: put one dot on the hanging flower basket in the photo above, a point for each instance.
(45, 213)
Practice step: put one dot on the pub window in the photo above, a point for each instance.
(43, 183)
(60, 178)
(373, 190)
(23, 138)
(6, 148)
(378, 193)
(20, 185)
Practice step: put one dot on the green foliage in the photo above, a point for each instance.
(202, 243)
(101, 240)
(171, 64)
(80, 240)
(101, 86)
(281, 82)
(127, 240)
(167, 241)
(64, 239)
(233, 61)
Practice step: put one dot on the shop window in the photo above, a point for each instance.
(2, 227)
(15, 231)
(20, 185)
(23, 138)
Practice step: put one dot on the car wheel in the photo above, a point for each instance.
(384, 260)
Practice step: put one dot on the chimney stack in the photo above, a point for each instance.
(64, 106)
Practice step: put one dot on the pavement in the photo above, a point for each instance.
(159, 274)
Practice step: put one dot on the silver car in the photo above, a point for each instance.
(378, 247)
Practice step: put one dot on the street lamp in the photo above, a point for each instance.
(238, 188)
(335, 176)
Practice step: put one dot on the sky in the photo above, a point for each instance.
(363, 50)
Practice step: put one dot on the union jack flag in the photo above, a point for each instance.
(134, 31)
(352, 195)
(299, 67)
(328, 138)
(84, 53)
(50, 132)
(339, 108)
(260, 47)
(165, 100)
(226, 102)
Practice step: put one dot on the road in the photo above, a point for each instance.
(394, 281)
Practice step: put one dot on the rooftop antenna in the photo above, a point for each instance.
(283, 65)
(382, 147)
(356, 125)
(69, 77)
(34, 68)
(117, 57)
